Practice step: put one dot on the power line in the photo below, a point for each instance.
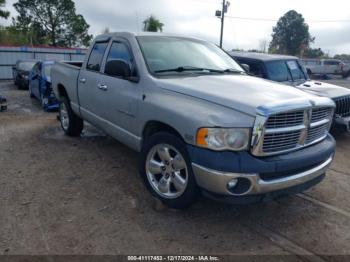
(275, 20)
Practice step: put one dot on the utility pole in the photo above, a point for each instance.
(221, 15)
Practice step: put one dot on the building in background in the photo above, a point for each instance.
(10, 54)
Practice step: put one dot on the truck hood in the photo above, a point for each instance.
(239, 92)
(324, 89)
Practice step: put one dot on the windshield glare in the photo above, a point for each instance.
(282, 71)
(163, 53)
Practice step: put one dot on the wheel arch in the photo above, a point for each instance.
(153, 126)
(62, 92)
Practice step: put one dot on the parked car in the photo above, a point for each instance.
(289, 70)
(326, 67)
(40, 85)
(200, 123)
(21, 72)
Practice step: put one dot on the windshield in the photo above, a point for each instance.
(26, 66)
(284, 70)
(178, 55)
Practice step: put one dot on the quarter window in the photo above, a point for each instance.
(96, 56)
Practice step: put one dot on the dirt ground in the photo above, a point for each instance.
(61, 195)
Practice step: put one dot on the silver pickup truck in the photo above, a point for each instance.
(200, 123)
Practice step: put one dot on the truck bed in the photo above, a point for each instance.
(66, 73)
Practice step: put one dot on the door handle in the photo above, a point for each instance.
(102, 87)
(82, 80)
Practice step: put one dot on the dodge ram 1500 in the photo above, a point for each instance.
(200, 123)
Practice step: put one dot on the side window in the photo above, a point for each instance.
(255, 69)
(120, 51)
(96, 56)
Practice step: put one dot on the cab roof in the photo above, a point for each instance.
(136, 34)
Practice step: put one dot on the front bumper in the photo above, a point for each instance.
(216, 182)
(258, 176)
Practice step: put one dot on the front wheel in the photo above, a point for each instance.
(166, 170)
(71, 124)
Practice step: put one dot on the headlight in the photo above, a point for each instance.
(219, 139)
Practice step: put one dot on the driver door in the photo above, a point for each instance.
(120, 95)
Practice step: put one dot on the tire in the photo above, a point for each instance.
(175, 185)
(71, 124)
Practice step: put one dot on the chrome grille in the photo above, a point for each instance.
(285, 120)
(291, 130)
(343, 106)
(316, 133)
(319, 114)
(281, 141)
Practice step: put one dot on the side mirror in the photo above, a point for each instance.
(246, 68)
(118, 68)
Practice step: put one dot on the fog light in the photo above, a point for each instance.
(241, 186)
(232, 184)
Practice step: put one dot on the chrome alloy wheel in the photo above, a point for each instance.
(64, 117)
(166, 171)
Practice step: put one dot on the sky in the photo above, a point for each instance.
(197, 18)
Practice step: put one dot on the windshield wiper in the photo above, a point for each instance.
(188, 68)
(231, 70)
(200, 69)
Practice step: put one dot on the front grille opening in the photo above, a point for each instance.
(281, 141)
(319, 114)
(316, 133)
(343, 106)
(285, 120)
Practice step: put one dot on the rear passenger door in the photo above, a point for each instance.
(91, 99)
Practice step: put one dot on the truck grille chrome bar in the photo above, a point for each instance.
(343, 106)
(287, 131)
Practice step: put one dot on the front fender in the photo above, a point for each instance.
(187, 114)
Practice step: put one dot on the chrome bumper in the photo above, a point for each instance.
(217, 182)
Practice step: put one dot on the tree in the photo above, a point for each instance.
(3, 14)
(313, 53)
(344, 57)
(54, 20)
(290, 35)
(152, 24)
